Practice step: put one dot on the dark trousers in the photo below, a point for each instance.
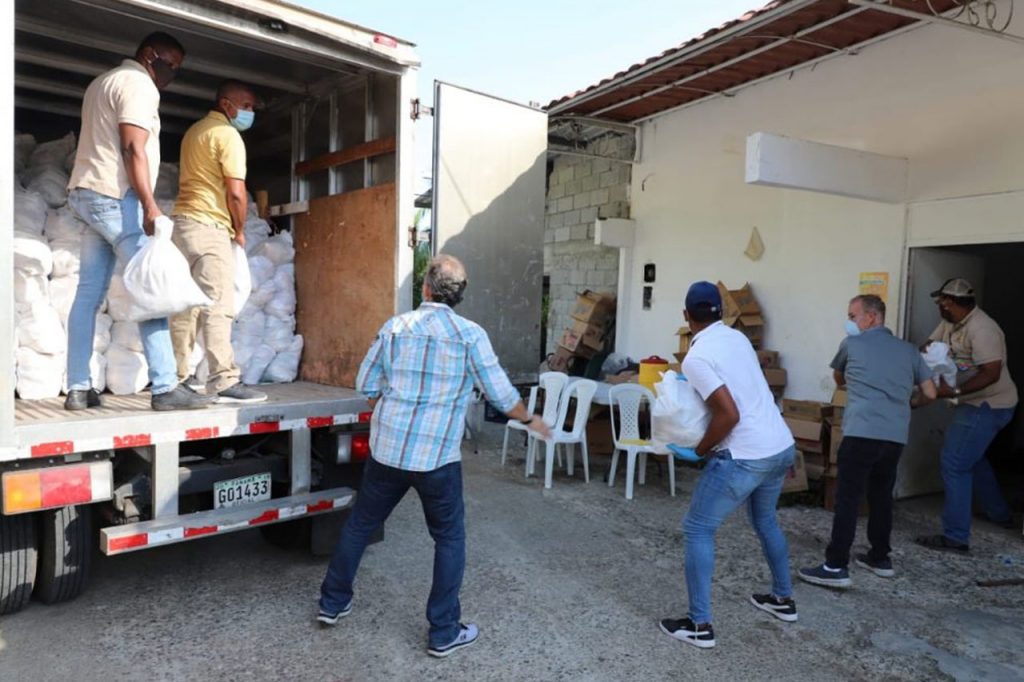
(864, 463)
(383, 487)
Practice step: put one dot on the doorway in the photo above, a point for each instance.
(996, 272)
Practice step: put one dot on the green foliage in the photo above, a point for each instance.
(421, 258)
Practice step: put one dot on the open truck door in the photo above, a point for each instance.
(488, 210)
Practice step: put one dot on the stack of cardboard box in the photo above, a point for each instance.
(808, 421)
(593, 321)
(838, 407)
(741, 311)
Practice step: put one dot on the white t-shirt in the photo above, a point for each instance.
(722, 356)
(125, 94)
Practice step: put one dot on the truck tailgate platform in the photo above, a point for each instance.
(43, 428)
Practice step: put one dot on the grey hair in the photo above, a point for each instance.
(446, 277)
(872, 303)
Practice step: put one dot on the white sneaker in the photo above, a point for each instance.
(467, 635)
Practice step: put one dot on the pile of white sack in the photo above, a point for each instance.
(47, 244)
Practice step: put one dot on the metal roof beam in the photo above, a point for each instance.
(884, 6)
(732, 62)
(73, 111)
(52, 87)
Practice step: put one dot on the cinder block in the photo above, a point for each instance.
(600, 165)
(562, 234)
(565, 204)
(588, 216)
(573, 187)
(618, 192)
(581, 200)
(590, 183)
(578, 232)
(609, 178)
(599, 197)
(583, 170)
(556, 191)
(555, 221)
(565, 174)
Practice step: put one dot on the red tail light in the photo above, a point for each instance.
(360, 447)
(365, 417)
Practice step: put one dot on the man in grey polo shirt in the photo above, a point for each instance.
(880, 372)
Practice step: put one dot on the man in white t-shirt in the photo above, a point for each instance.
(747, 449)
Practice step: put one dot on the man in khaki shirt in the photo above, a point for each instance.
(111, 190)
(208, 215)
(985, 398)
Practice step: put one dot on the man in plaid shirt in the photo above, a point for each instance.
(419, 375)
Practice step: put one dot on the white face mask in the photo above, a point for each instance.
(851, 328)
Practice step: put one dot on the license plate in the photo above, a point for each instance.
(255, 488)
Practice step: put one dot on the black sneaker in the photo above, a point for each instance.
(942, 543)
(180, 398)
(240, 393)
(826, 577)
(685, 630)
(880, 567)
(783, 609)
(327, 618)
(467, 635)
(82, 400)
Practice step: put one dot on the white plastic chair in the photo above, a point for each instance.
(628, 398)
(552, 383)
(583, 391)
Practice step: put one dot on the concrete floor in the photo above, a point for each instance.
(565, 584)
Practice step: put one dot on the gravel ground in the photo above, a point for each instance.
(565, 584)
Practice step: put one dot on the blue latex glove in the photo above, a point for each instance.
(684, 454)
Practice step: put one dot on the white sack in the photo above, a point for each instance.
(39, 376)
(257, 365)
(32, 254)
(261, 270)
(243, 278)
(285, 367)
(158, 279)
(252, 324)
(23, 146)
(279, 333)
(29, 289)
(62, 296)
(127, 371)
(62, 224)
(283, 303)
(51, 183)
(66, 256)
(119, 303)
(29, 211)
(262, 295)
(278, 249)
(127, 336)
(678, 415)
(102, 338)
(940, 361)
(40, 328)
(53, 153)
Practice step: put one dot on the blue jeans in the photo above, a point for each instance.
(724, 485)
(382, 489)
(115, 235)
(965, 468)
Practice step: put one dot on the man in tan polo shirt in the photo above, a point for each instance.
(208, 215)
(111, 190)
(985, 398)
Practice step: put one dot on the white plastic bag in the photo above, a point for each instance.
(62, 296)
(278, 249)
(279, 333)
(119, 303)
(940, 362)
(41, 329)
(32, 254)
(101, 340)
(127, 371)
(285, 367)
(158, 279)
(39, 376)
(243, 279)
(257, 365)
(127, 336)
(261, 270)
(282, 305)
(678, 415)
(66, 256)
(30, 288)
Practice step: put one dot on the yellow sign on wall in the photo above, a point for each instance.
(876, 283)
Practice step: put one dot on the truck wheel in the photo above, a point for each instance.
(289, 534)
(65, 553)
(17, 561)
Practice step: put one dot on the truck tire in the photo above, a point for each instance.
(65, 553)
(18, 555)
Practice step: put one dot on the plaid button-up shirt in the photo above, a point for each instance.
(422, 367)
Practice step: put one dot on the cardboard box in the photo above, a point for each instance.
(751, 326)
(796, 477)
(816, 465)
(804, 429)
(599, 432)
(769, 359)
(806, 409)
(835, 438)
(745, 301)
(839, 397)
(559, 360)
(594, 308)
(685, 339)
(680, 357)
(579, 339)
(730, 309)
(775, 377)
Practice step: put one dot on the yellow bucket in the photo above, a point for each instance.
(650, 371)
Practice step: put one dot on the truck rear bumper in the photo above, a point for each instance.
(167, 531)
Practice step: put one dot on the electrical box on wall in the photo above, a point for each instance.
(648, 296)
(649, 273)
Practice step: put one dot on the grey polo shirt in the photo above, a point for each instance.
(881, 372)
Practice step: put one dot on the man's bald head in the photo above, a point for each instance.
(232, 89)
(445, 280)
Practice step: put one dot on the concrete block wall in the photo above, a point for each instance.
(580, 190)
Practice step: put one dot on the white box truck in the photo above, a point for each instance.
(333, 149)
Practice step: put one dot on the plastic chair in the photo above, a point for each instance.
(552, 383)
(583, 391)
(628, 398)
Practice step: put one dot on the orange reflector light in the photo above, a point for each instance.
(59, 486)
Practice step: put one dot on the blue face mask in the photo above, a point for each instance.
(851, 328)
(243, 120)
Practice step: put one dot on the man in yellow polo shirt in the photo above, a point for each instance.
(209, 214)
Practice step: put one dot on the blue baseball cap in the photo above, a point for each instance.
(704, 295)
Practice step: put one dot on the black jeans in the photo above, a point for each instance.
(863, 463)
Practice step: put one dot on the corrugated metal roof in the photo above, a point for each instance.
(779, 36)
